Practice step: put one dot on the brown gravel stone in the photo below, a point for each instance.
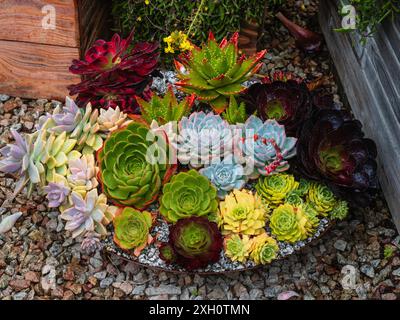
(32, 277)
(19, 284)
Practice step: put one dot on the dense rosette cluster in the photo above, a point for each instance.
(203, 138)
(243, 213)
(322, 198)
(115, 73)
(132, 229)
(237, 247)
(332, 148)
(225, 175)
(264, 249)
(216, 72)
(287, 102)
(188, 194)
(275, 188)
(134, 165)
(266, 146)
(289, 223)
(195, 242)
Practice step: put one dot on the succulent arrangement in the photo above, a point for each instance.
(193, 180)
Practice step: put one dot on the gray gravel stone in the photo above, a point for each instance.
(163, 289)
(340, 245)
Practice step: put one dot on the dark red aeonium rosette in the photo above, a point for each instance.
(332, 148)
(288, 102)
(114, 74)
(193, 243)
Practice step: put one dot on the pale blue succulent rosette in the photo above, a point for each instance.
(256, 149)
(225, 175)
(204, 138)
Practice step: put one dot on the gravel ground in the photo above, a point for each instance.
(357, 259)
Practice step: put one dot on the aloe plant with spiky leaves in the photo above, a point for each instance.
(235, 113)
(165, 109)
(215, 71)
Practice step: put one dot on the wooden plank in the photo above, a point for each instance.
(21, 20)
(36, 70)
(371, 87)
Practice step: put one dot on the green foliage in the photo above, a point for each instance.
(389, 251)
(235, 113)
(159, 18)
(370, 14)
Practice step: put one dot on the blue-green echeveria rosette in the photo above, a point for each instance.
(188, 194)
(133, 166)
(225, 175)
(203, 139)
(259, 143)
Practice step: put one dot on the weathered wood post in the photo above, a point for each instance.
(370, 76)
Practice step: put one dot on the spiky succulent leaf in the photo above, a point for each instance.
(215, 72)
(235, 113)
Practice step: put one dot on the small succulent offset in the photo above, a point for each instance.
(237, 248)
(114, 73)
(56, 193)
(235, 113)
(188, 194)
(322, 198)
(332, 149)
(289, 223)
(275, 188)
(111, 119)
(130, 175)
(82, 175)
(264, 249)
(242, 213)
(288, 102)
(23, 158)
(340, 210)
(225, 175)
(203, 139)
(165, 109)
(215, 72)
(266, 146)
(132, 230)
(195, 242)
(87, 214)
(91, 243)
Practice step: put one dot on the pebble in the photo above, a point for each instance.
(368, 270)
(340, 245)
(163, 289)
(20, 296)
(106, 282)
(396, 272)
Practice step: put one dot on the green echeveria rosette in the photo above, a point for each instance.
(131, 229)
(129, 176)
(195, 241)
(340, 210)
(274, 188)
(294, 198)
(287, 223)
(322, 198)
(188, 194)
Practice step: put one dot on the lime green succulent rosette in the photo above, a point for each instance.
(294, 198)
(237, 247)
(188, 194)
(289, 223)
(274, 188)
(134, 165)
(132, 229)
(312, 216)
(264, 249)
(322, 197)
(303, 187)
(340, 210)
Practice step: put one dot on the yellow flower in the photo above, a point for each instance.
(147, 2)
(139, 18)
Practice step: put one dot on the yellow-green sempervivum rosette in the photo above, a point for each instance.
(134, 165)
(188, 194)
(264, 249)
(242, 212)
(237, 247)
(289, 223)
(274, 188)
(322, 197)
(132, 229)
(340, 210)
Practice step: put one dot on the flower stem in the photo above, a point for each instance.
(196, 15)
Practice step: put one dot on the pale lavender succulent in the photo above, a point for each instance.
(91, 243)
(56, 194)
(225, 175)
(266, 146)
(14, 154)
(86, 214)
(204, 138)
